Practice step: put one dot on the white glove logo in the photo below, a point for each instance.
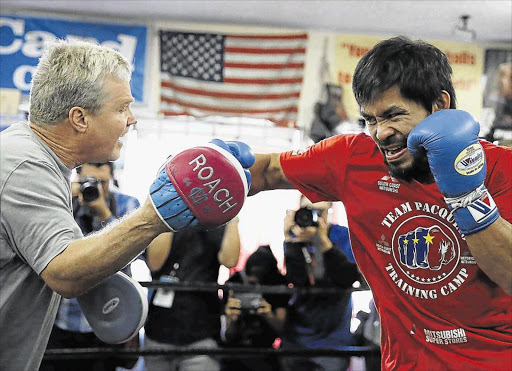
(471, 160)
(110, 305)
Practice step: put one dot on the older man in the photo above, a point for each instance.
(79, 109)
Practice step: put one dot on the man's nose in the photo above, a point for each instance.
(132, 120)
(384, 131)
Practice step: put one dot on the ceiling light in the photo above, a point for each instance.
(462, 32)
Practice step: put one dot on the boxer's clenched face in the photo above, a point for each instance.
(112, 122)
(390, 118)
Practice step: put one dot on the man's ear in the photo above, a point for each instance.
(78, 119)
(443, 102)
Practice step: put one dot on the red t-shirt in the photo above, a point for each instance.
(438, 309)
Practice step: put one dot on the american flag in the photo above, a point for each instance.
(257, 76)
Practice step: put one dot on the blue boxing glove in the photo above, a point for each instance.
(241, 151)
(457, 161)
(204, 186)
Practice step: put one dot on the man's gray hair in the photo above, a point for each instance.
(71, 74)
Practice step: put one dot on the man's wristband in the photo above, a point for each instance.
(473, 211)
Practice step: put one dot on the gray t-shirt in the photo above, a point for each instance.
(37, 224)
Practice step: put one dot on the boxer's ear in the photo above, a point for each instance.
(443, 102)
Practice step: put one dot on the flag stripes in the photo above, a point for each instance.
(232, 75)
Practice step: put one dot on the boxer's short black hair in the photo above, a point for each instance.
(419, 69)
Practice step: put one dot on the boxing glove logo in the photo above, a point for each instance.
(425, 248)
(471, 160)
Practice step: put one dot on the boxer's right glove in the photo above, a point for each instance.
(203, 186)
(457, 161)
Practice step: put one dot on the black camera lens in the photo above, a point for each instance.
(90, 189)
(306, 217)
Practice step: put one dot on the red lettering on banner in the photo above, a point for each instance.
(344, 78)
(355, 50)
(461, 58)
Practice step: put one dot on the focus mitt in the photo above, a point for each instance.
(116, 309)
(203, 186)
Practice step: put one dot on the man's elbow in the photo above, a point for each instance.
(71, 292)
(66, 288)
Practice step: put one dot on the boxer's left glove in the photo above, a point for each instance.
(457, 161)
(203, 186)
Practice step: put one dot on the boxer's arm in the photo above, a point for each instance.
(458, 163)
(88, 261)
(268, 174)
(492, 250)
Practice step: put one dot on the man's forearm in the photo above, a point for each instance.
(86, 262)
(492, 249)
(230, 248)
(267, 174)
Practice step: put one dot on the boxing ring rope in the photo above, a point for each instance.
(239, 287)
(100, 353)
(232, 352)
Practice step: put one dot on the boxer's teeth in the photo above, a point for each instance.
(392, 151)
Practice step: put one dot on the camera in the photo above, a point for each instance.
(89, 188)
(306, 217)
(250, 301)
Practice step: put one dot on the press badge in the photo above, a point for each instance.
(164, 297)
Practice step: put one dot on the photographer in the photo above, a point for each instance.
(253, 319)
(95, 204)
(318, 254)
(95, 201)
(187, 319)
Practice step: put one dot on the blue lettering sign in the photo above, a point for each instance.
(22, 40)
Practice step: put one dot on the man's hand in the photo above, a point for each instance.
(204, 186)
(323, 234)
(295, 233)
(98, 207)
(233, 308)
(265, 308)
(457, 161)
